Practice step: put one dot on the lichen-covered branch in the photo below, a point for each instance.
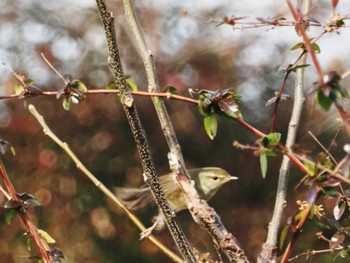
(138, 132)
(201, 212)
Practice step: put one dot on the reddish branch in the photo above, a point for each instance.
(299, 26)
(40, 243)
(169, 95)
(308, 46)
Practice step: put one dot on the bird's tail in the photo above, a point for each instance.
(134, 198)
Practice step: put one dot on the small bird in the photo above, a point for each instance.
(207, 181)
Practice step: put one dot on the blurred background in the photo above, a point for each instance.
(190, 51)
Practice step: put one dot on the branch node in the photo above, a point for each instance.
(173, 161)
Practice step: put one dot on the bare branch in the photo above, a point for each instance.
(97, 183)
(268, 253)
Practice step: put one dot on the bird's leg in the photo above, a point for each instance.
(159, 224)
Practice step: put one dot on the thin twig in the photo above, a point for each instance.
(97, 183)
(315, 252)
(54, 69)
(323, 148)
(278, 98)
(166, 95)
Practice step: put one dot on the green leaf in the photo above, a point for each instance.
(19, 89)
(310, 167)
(283, 236)
(66, 103)
(330, 191)
(13, 150)
(339, 209)
(340, 23)
(299, 216)
(203, 109)
(271, 140)
(28, 81)
(316, 48)
(294, 68)
(78, 84)
(111, 85)
(230, 108)
(170, 89)
(263, 165)
(324, 101)
(270, 153)
(297, 46)
(29, 242)
(211, 125)
(9, 215)
(274, 138)
(131, 84)
(342, 91)
(46, 236)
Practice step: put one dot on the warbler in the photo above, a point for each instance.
(207, 181)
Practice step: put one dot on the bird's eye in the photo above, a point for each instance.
(215, 178)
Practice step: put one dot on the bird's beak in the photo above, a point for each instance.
(232, 178)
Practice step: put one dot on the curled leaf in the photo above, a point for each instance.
(29, 200)
(297, 46)
(4, 145)
(79, 85)
(170, 89)
(66, 104)
(219, 101)
(9, 215)
(339, 209)
(272, 139)
(316, 48)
